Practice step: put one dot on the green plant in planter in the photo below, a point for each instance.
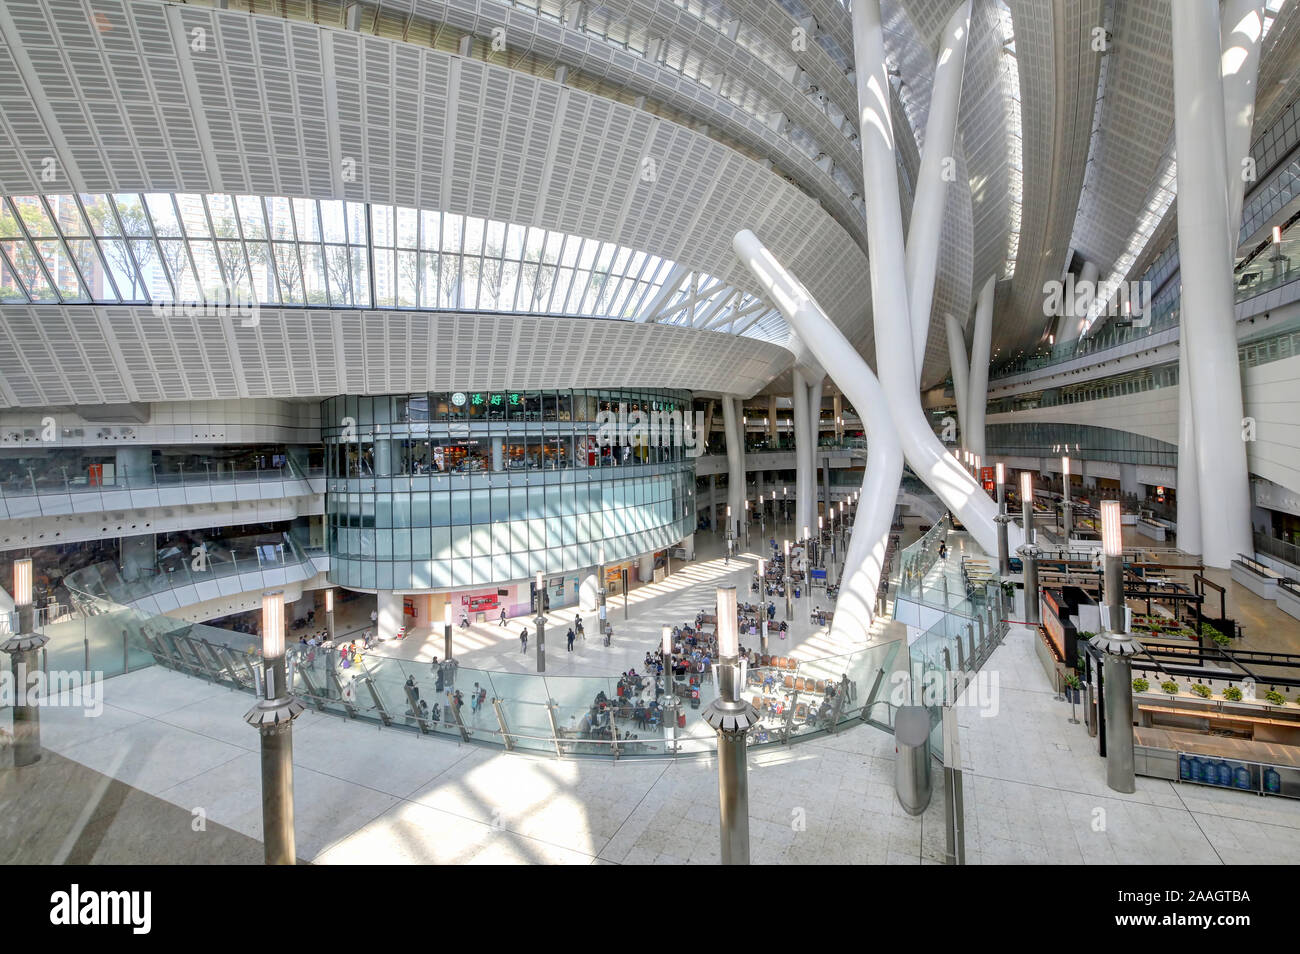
(1072, 681)
(1141, 685)
(1202, 690)
(1220, 639)
(1274, 697)
(1170, 687)
(1232, 694)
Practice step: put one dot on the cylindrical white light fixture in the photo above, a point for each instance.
(667, 645)
(446, 613)
(540, 602)
(805, 533)
(1065, 470)
(1001, 473)
(1112, 534)
(273, 624)
(761, 566)
(1026, 485)
(819, 523)
(329, 600)
(728, 625)
(728, 510)
(23, 582)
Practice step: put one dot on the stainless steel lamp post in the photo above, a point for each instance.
(446, 630)
(1029, 552)
(670, 710)
(1118, 646)
(789, 590)
(22, 648)
(273, 718)
(1002, 519)
(731, 717)
(1067, 509)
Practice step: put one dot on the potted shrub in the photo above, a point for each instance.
(1141, 685)
(1232, 694)
(1274, 697)
(1170, 687)
(1202, 690)
(1072, 686)
(1219, 639)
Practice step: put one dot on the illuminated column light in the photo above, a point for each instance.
(1112, 534)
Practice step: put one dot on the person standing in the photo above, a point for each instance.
(571, 638)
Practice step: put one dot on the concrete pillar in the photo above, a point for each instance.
(688, 545)
(978, 394)
(713, 502)
(1128, 479)
(1188, 479)
(645, 567)
(390, 613)
(499, 453)
(837, 408)
(1209, 332)
(588, 598)
(960, 370)
(383, 457)
(773, 431)
(735, 464)
(134, 465)
(931, 182)
(803, 476)
(739, 411)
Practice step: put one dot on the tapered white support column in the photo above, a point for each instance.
(941, 472)
(960, 368)
(816, 384)
(1241, 30)
(1074, 311)
(735, 467)
(804, 486)
(1189, 483)
(1209, 335)
(977, 395)
(864, 560)
(937, 165)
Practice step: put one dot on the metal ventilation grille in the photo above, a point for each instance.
(79, 354)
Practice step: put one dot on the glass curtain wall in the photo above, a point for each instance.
(465, 488)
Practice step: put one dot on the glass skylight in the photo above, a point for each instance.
(275, 250)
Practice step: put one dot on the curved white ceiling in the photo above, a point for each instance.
(91, 354)
(273, 107)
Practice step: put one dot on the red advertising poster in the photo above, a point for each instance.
(987, 478)
(478, 604)
(408, 607)
(96, 475)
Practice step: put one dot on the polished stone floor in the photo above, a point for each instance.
(173, 748)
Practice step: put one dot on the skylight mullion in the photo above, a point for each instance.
(37, 257)
(99, 250)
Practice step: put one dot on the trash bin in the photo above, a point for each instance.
(912, 762)
(681, 719)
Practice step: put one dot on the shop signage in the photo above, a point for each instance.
(477, 604)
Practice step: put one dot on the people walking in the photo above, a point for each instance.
(503, 616)
(523, 639)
